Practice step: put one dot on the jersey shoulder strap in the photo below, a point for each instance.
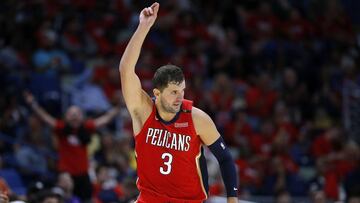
(187, 106)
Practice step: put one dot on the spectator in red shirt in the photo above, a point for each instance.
(296, 27)
(73, 134)
(238, 130)
(326, 141)
(261, 98)
(262, 24)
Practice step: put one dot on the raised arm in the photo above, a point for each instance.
(106, 118)
(45, 116)
(137, 101)
(210, 136)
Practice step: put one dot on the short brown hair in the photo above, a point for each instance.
(167, 74)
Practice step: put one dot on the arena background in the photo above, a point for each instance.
(280, 78)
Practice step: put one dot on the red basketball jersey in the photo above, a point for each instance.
(168, 159)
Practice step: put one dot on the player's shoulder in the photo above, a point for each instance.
(198, 112)
(200, 118)
(204, 126)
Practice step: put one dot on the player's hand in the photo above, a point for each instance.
(232, 200)
(148, 15)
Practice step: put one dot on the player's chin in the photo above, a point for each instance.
(176, 109)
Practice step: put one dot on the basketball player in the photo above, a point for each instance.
(169, 131)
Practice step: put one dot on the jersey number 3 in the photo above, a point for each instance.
(168, 158)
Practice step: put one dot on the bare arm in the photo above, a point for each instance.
(208, 133)
(45, 116)
(205, 127)
(135, 98)
(106, 118)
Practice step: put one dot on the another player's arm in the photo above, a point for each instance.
(210, 136)
(45, 116)
(136, 99)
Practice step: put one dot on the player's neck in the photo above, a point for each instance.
(165, 116)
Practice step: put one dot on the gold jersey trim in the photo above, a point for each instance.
(197, 158)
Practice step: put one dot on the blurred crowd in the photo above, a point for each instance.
(272, 74)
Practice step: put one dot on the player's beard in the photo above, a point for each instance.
(168, 108)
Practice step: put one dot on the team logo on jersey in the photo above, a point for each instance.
(181, 125)
(222, 145)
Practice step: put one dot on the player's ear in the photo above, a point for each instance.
(156, 92)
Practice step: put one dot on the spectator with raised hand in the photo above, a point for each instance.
(73, 134)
